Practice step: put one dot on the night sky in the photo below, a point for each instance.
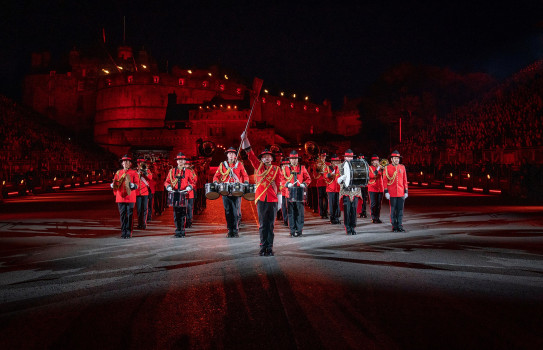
(324, 51)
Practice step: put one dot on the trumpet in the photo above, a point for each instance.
(383, 163)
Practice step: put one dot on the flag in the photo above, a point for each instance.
(257, 85)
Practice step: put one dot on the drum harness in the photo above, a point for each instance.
(176, 182)
(229, 172)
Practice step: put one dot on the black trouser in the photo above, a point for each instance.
(158, 202)
(266, 220)
(333, 202)
(295, 216)
(349, 213)
(396, 211)
(150, 206)
(375, 203)
(232, 206)
(190, 206)
(323, 201)
(141, 203)
(179, 217)
(314, 199)
(126, 211)
(364, 191)
(284, 208)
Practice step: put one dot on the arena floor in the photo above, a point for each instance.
(467, 274)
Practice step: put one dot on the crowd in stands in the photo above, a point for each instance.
(509, 118)
(33, 144)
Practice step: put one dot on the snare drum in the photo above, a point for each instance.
(224, 188)
(296, 194)
(237, 189)
(177, 199)
(211, 191)
(249, 193)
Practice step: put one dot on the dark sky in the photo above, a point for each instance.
(323, 49)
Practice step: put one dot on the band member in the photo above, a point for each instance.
(158, 180)
(396, 190)
(180, 179)
(361, 209)
(280, 200)
(191, 193)
(231, 171)
(124, 188)
(267, 179)
(295, 175)
(151, 197)
(284, 195)
(142, 193)
(320, 167)
(332, 188)
(349, 195)
(375, 189)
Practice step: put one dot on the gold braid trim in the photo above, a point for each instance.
(371, 182)
(270, 179)
(392, 178)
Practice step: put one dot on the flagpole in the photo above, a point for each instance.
(250, 115)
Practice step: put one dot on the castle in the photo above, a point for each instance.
(130, 106)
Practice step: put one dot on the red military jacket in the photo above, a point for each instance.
(375, 183)
(395, 178)
(283, 189)
(194, 181)
(144, 184)
(187, 179)
(331, 176)
(227, 172)
(264, 177)
(287, 177)
(121, 187)
(320, 179)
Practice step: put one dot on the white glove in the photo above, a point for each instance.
(133, 186)
(245, 141)
(111, 185)
(405, 196)
(188, 188)
(378, 167)
(289, 185)
(341, 179)
(169, 188)
(302, 185)
(387, 196)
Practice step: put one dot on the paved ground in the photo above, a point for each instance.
(467, 274)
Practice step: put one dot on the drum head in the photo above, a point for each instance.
(347, 173)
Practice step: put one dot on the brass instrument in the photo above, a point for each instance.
(275, 149)
(311, 149)
(383, 163)
(320, 166)
(206, 148)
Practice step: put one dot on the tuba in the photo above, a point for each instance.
(311, 149)
(206, 148)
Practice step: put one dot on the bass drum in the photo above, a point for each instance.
(211, 191)
(357, 172)
(238, 189)
(249, 193)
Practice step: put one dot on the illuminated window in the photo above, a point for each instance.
(317, 109)
(279, 102)
(156, 79)
(221, 87)
(291, 105)
(238, 91)
(305, 108)
(181, 81)
(205, 83)
(263, 100)
(108, 82)
(130, 79)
